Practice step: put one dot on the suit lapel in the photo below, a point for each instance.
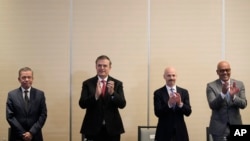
(165, 93)
(219, 86)
(109, 79)
(178, 90)
(31, 99)
(21, 99)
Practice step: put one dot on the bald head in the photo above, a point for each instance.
(170, 76)
(223, 70)
(222, 63)
(169, 69)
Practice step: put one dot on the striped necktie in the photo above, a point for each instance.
(172, 94)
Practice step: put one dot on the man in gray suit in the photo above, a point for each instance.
(26, 110)
(225, 97)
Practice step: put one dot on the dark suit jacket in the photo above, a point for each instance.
(105, 108)
(21, 120)
(171, 120)
(223, 111)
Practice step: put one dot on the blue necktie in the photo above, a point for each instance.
(172, 90)
(172, 94)
(228, 97)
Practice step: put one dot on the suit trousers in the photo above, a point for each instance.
(224, 137)
(102, 136)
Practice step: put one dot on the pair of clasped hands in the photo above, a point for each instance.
(175, 98)
(233, 89)
(27, 136)
(110, 88)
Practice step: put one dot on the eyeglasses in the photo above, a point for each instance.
(224, 70)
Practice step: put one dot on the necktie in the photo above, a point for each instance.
(172, 91)
(103, 87)
(228, 97)
(26, 99)
(172, 94)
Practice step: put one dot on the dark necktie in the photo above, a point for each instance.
(26, 99)
(103, 87)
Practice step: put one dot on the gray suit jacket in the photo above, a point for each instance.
(224, 112)
(21, 120)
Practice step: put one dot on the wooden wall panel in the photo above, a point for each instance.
(186, 35)
(117, 29)
(36, 34)
(237, 45)
(61, 40)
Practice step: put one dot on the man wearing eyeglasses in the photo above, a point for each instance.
(225, 97)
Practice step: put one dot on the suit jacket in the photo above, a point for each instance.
(22, 120)
(171, 120)
(224, 112)
(103, 109)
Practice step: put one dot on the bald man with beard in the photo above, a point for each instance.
(171, 103)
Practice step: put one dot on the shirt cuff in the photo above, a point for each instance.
(170, 106)
(180, 105)
(223, 95)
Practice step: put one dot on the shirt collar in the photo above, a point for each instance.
(222, 82)
(168, 88)
(25, 89)
(100, 79)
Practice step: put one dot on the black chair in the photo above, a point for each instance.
(146, 133)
